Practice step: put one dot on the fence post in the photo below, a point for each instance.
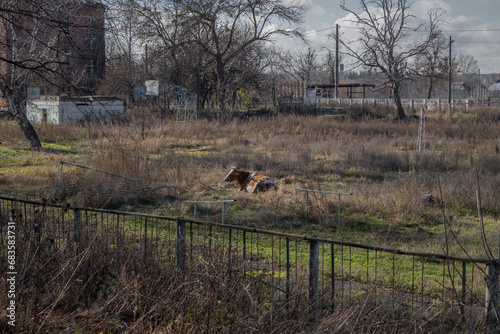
(449, 113)
(464, 281)
(313, 278)
(307, 206)
(77, 223)
(145, 235)
(230, 237)
(332, 253)
(492, 306)
(180, 249)
(287, 270)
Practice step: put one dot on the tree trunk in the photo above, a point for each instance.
(28, 129)
(431, 84)
(222, 107)
(399, 105)
(14, 109)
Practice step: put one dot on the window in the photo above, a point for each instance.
(90, 41)
(90, 67)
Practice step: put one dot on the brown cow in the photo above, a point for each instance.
(250, 181)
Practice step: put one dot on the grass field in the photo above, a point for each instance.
(396, 197)
(401, 198)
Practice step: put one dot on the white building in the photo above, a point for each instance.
(65, 109)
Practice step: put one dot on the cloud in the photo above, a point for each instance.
(315, 10)
(420, 8)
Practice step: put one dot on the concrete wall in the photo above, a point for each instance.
(44, 111)
(61, 109)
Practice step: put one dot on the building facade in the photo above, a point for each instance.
(61, 44)
(65, 109)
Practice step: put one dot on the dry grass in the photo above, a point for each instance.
(374, 158)
(90, 286)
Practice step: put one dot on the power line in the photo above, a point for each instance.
(472, 30)
(477, 42)
(445, 30)
(311, 32)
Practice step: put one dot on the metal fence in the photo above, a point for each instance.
(318, 274)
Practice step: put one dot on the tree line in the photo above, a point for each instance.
(221, 50)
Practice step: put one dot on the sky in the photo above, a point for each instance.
(474, 26)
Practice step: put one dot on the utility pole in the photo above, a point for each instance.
(449, 83)
(337, 62)
(449, 73)
(146, 62)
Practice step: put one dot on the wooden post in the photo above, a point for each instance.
(180, 250)
(313, 278)
(492, 306)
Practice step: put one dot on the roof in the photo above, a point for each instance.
(340, 85)
(495, 86)
(65, 98)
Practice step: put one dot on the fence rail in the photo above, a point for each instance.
(320, 274)
(411, 104)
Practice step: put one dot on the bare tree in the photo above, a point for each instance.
(330, 66)
(16, 59)
(432, 63)
(274, 74)
(35, 49)
(466, 65)
(301, 66)
(123, 44)
(386, 43)
(223, 30)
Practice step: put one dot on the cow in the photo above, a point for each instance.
(250, 181)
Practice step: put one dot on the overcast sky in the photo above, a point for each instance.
(474, 26)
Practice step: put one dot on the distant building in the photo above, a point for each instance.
(356, 90)
(65, 109)
(494, 90)
(73, 44)
(312, 93)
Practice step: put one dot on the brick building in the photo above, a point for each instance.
(68, 41)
